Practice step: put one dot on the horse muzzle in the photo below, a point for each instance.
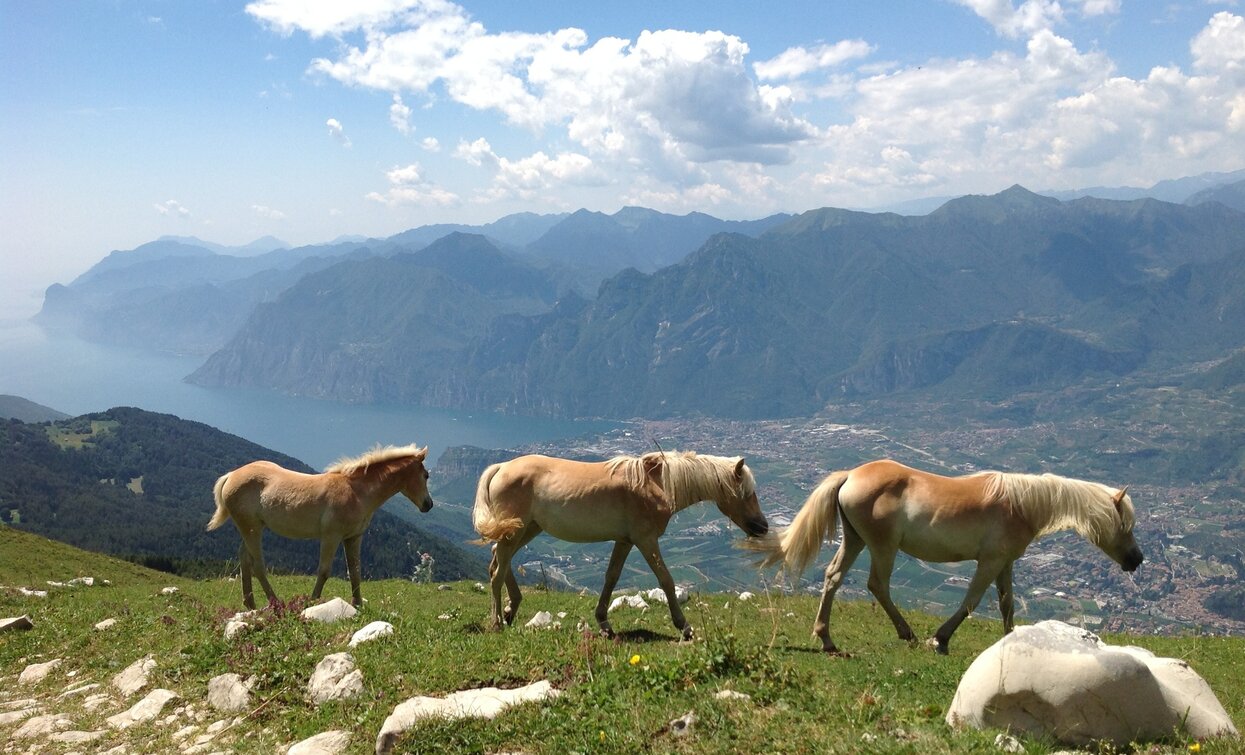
(425, 506)
(756, 527)
(1132, 560)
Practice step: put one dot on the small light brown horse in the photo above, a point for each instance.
(627, 499)
(990, 517)
(333, 507)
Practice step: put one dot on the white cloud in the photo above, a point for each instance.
(267, 212)
(1032, 16)
(171, 208)
(331, 17)
(337, 132)
(673, 98)
(797, 61)
(430, 144)
(1221, 45)
(407, 186)
(400, 116)
(524, 177)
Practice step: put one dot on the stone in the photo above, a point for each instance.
(334, 610)
(1053, 679)
(681, 727)
(79, 690)
(628, 601)
(1008, 743)
(324, 743)
(134, 677)
(143, 710)
(82, 581)
(228, 693)
(169, 591)
(373, 631)
(37, 672)
(106, 624)
(95, 701)
(335, 678)
(19, 713)
(16, 623)
(42, 726)
(745, 596)
(730, 694)
(26, 591)
(658, 595)
(486, 702)
(77, 737)
(541, 620)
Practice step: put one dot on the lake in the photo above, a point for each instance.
(77, 377)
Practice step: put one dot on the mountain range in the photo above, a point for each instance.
(986, 295)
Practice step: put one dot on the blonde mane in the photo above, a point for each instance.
(352, 465)
(688, 477)
(1050, 503)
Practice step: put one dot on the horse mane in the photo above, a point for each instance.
(1050, 503)
(353, 465)
(686, 476)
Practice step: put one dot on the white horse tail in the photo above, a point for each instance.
(222, 513)
(795, 545)
(488, 523)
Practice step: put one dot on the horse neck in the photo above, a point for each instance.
(375, 486)
(1052, 504)
(687, 487)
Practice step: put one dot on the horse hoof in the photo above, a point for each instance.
(607, 633)
(688, 634)
(937, 645)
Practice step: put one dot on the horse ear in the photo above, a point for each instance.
(652, 464)
(1119, 497)
(739, 469)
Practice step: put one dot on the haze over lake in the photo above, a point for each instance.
(77, 377)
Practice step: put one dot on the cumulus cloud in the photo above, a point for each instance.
(430, 144)
(407, 186)
(337, 132)
(797, 61)
(267, 213)
(669, 97)
(400, 116)
(1030, 17)
(171, 208)
(525, 177)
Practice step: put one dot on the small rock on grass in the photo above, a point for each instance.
(16, 623)
(325, 743)
(37, 672)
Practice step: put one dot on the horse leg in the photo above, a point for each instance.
(500, 574)
(622, 549)
(244, 570)
(513, 596)
(1007, 605)
(254, 541)
(652, 554)
(985, 574)
(354, 546)
(843, 559)
(881, 565)
(328, 549)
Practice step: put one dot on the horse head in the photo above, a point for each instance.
(415, 481)
(740, 504)
(1121, 545)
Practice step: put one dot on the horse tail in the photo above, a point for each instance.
(795, 545)
(483, 515)
(222, 513)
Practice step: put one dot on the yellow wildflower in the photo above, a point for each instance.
(635, 659)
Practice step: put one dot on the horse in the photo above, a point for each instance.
(333, 507)
(989, 517)
(626, 499)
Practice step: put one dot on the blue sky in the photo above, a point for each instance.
(309, 119)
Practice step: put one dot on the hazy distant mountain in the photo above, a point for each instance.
(1172, 190)
(985, 295)
(258, 246)
(1232, 195)
(24, 410)
(512, 231)
(381, 328)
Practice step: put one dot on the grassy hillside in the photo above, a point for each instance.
(887, 696)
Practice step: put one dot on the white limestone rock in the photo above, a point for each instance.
(745, 596)
(37, 672)
(1058, 680)
(169, 591)
(658, 595)
(143, 710)
(17, 710)
(730, 694)
(486, 702)
(105, 625)
(333, 610)
(373, 631)
(42, 726)
(541, 620)
(229, 693)
(16, 623)
(134, 677)
(628, 601)
(335, 678)
(77, 737)
(324, 743)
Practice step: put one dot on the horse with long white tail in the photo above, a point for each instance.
(628, 499)
(989, 517)
(334, 507)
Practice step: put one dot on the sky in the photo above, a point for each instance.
(125, 120)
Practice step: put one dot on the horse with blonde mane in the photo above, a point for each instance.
(989, 517)
(334, 507)
(627, 499)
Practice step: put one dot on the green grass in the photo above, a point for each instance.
(802, 701)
